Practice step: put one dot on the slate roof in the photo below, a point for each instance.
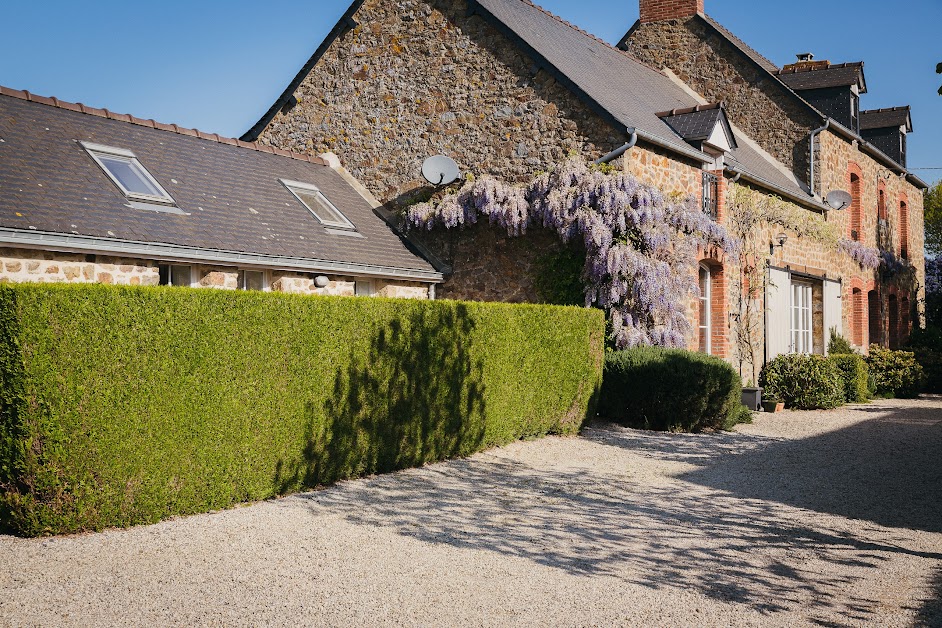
(800, 77)
(629, 91)
(230, 191)
(610, 80)
(626, 88)
(696, 124)
(885, 118)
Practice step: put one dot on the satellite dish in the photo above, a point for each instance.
(440, 170)
(838, 199)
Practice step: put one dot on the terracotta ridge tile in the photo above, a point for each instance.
(151, 123)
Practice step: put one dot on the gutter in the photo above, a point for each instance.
(618, 152)
(72, 243)
(806, 201)
(814, 134)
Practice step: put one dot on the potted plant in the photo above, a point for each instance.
(751, 396)
(773, 405)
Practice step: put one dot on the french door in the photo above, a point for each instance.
(801, 318)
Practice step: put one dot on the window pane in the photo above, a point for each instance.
(180, 275)
(253, 280)
(324, 211)
(363, 288)
(129, 175)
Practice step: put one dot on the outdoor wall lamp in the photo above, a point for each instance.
(782, 238)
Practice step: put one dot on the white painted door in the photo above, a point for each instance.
(801, 318)
(778, 313)
(833, 303)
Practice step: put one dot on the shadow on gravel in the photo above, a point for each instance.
(746, 551)
(887, 470)
(931, 612)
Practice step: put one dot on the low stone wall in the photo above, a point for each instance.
(34, 266)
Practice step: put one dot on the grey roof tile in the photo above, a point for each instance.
(844, 74)
(884, 118)
(232, 195)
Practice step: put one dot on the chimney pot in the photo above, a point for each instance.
(805, 56)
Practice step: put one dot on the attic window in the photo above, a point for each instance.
(131, 177)
(318, 204)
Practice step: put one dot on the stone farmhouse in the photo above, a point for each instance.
(507, 88)
(91, 196)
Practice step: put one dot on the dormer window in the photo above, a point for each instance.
(126, 172)
(855, 113)
(318, 204)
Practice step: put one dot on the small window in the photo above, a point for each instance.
(132, 178)
(252, 280)
(710, 188)
(364, 288)
(706, 322)
(318, 204)
(175, 275)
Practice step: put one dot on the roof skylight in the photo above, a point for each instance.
(318, 204)
(131, 177)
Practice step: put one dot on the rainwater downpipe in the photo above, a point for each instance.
(814, 134)
(618, 152)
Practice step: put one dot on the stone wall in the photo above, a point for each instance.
(758, 104)
(489, 265)
(667, 172)
(419, 78)
(35, 266)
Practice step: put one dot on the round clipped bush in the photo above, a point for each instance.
(671, 390)
(854, 375)
(803, 382)
(895, 373)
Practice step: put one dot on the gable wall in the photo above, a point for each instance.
(420, 78)
(763, 108)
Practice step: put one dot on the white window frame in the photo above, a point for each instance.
(802, 335)
(308, 187)
(266, 280)
(706, 313)
(94, 150)
(194, 282)
(364, 288)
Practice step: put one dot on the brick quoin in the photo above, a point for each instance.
(657, 10)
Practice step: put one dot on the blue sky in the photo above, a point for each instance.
(218, 65)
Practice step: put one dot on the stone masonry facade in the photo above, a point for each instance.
(35, 266)
(762, 107)
(419, 78)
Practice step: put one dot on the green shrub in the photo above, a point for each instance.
(838, 344)
(123, 406)
(671, 389)
(895, 373)
(926, 345)
(854, 376)
(803, 382)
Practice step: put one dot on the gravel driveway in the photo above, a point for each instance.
(804, 518)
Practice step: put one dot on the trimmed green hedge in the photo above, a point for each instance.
(854, 376)
(894, 373)
(123, 406)
(671, 390)
(803, 382)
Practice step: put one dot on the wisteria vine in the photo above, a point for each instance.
(641, 247)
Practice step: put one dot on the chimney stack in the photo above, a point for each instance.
(657, 10)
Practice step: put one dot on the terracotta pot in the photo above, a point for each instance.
(773, 406)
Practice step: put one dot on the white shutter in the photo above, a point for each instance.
(832, 310)
(778, 301)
